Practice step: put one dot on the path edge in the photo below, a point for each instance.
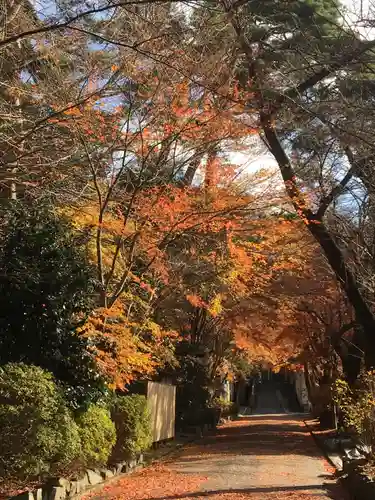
(358, 486)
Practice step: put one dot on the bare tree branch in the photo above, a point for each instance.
(64, 24)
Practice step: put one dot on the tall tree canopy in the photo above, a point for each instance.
(133, 115)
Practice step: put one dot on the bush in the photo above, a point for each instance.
(98, 435)
(47, 288)
(39, 435)
(133, 426)
(357, 405)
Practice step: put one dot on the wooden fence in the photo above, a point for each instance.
(162, 403)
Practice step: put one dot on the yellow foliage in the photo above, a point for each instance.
(215, 306)
(122, 349)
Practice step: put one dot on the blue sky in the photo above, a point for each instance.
(246, 160)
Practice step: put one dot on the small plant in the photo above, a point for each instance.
(356, 404)
(227, 407)
(132, 418)
(221, 404)
(40, 436)
(98, 435)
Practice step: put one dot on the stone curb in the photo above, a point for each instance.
(359, 486)
(62, 488)
(94, 479)
(333, 458)
(147, 461)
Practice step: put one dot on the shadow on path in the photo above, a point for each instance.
(334, 492)
(266, 435)
(261, 457)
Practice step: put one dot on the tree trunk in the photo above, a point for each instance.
(364, 315)
(191, 170)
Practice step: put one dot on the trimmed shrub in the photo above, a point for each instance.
(98, 435)
(132, 418)
(39, 435)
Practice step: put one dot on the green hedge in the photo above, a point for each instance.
(132, 418)
(41, 437)
(98, 435)
(39, 434)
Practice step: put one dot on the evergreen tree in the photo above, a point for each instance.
(46, 291)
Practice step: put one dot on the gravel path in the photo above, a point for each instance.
(259, 457)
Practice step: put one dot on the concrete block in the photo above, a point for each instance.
(94, 477)
(79, 485)
(38, 494)
(125, 467)
(118, 468)
(132, 463)
(106, 473)
(57, 493)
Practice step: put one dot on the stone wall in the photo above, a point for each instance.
(62, 488)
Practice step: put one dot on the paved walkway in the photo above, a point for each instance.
(262, 457)
(269, 399)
